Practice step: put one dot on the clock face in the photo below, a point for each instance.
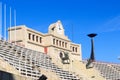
(59, 29)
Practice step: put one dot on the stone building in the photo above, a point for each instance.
(51, 43)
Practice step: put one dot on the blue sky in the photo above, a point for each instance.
(83, 16)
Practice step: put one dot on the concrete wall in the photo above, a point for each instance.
(9, 76)
(35, 47)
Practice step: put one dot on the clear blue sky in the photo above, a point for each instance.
(85, 16)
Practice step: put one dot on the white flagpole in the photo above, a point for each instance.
(5, 22)
(10, 26)
(15, 24)
(0, 20)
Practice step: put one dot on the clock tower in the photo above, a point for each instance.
(56, 28)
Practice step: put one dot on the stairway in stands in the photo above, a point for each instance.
(109, 71)
(29, 62)
(79, 69)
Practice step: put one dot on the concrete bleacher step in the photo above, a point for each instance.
(50, 75)
(7, 67)
(107, 70)
(9, 54)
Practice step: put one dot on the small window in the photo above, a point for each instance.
(59, 43)
(53, 41)
(29, 36)
(73, 49)
(40, 39)
(36, 38)
(62, 44)
(56, 42)
(65, 45)
(33, 37)
(76, 49)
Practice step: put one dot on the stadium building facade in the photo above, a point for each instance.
(32, 55)
(53, 43)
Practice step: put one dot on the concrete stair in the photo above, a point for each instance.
(90, 74)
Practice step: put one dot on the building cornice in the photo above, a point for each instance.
(58, 37)
(58, 47)
(35, 43)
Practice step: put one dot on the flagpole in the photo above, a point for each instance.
(5, 22)
(10, 26)
(0, 20)
(15, 24)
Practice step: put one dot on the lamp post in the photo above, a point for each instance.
(92, 35)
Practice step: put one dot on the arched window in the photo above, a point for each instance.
(59, 43)
(62, 44)
(56, 42)
(65, 45)
(53, 41)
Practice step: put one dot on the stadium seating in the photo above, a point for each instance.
(9, 53)
(29, 62)
(109, 71)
